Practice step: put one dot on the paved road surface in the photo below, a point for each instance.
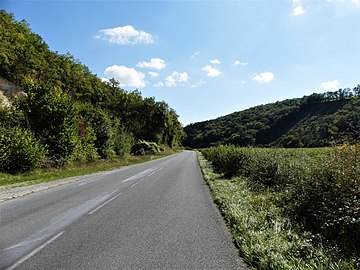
(156, 215)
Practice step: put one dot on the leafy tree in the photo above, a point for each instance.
(51, 116)
(101, 124)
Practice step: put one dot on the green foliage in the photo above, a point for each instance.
(317, 189)
(146, 148)
(51, 116)
(101, 124)
(312, 121)
(20, 151)
(25, 57)
(123, 141)
(84, 149)
(266, 237)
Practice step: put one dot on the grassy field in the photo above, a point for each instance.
(74, 169)
(289, 209)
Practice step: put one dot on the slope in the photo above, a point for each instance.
(311, 121)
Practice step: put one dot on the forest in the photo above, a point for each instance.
(318, 120)
(65, 112)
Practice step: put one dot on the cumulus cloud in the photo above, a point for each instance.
(239, 63)
(330, 85)
(126, 76)
(176, 78)
(297, 8)
(211, 71)
(155, 63)
(195, 54)
(198, 83)
(264, 77)
(153, 74)
(215, 61)
(159, 85)
(125, 35)
(105, 80)
(345, 1)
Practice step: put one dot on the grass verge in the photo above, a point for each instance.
(74, 169)
(265, 238)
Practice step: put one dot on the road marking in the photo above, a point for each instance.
(24, 243)
(32, 253)
(105, 203)
(139, 175)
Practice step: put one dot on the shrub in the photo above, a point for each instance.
(145, 148)
(51, 116)
(20, 151)
(101, 124)
(123, 141)
(85, 149)
(318, 189)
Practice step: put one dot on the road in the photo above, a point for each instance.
(155, 215)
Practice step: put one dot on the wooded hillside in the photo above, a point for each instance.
(67, 112)
(312, 121)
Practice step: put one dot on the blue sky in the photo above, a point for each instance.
(207, 58)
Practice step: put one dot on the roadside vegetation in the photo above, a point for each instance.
(58, 114)
(40, 175)
(289, 208)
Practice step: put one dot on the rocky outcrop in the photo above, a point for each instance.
(8, 90)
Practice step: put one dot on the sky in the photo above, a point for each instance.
(206, 58)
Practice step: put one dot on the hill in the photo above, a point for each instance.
(312, 121)
(66, 112)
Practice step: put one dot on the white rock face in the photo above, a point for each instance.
(7, 90)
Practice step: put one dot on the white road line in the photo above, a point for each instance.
(137, 182)
(102, 205)
(35, 251)
(24, 243)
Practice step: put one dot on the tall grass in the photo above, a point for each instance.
(317, 192)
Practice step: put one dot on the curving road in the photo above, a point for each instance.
(156, 215)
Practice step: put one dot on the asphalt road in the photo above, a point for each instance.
(156, 215)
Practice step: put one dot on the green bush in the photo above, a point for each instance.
(101, 124)
(51, 116)
(85, 149)
(123, 141)
(318, 189)
(145, 148)
(229, 160)
(20, 151)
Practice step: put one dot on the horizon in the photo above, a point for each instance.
(252, 53)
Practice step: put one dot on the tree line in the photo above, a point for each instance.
(311, 121)
(67, 112)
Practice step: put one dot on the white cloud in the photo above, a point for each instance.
(198, 83)
(176, 78)
(211, 71)
(159, 85)
(126, 76)
(264, 77)
(330, 85)
(125, 35)
(153, 74)
(297, 8)
(105, 80)
(215, 61)
(155, 63)
(344, 1)
(238, 63)
(195, 54)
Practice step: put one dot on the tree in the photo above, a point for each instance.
(51, 116)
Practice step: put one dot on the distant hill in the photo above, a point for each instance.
(312, 121)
